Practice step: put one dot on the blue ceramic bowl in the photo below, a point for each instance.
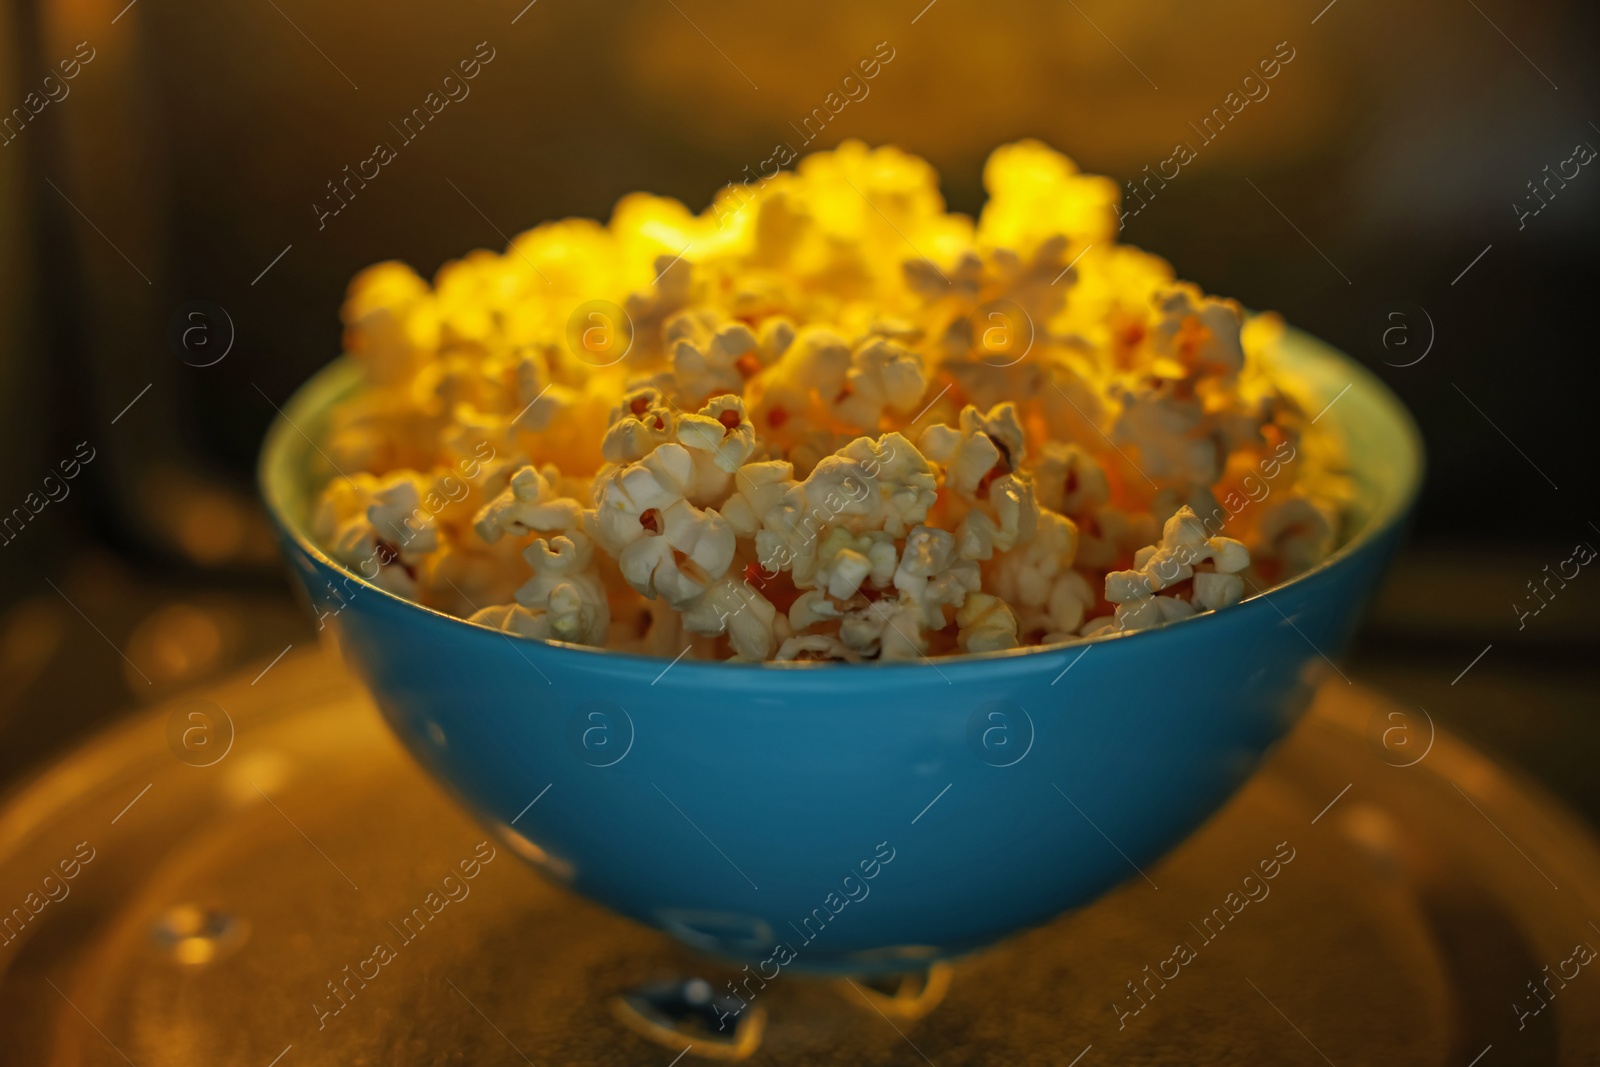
(864, 817)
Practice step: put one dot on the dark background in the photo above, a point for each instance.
(187, 156)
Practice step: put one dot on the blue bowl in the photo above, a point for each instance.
(868, 817)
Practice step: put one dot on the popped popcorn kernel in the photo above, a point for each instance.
(824, 419)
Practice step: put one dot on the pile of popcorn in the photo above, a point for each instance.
(823, 420)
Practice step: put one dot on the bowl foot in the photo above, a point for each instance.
(907, 996)
(687, 1015)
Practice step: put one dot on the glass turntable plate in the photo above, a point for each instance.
(257, 875)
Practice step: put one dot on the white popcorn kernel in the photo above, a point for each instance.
(882, 558)
(705, 358)
(930, 577)
(815, 647)
(398, 517)
(1101, 625)
(737, 609)
(1124, 587)
(1016, 517)
(848, 569)
(815, 364)
(682, 550)
(1169, 566)
(1071, 597)
(927, 552)
(1214, 590)
(639, 424)
(812, 607)
(720, 438)
(846, 560)
(1167, 424)
(757, 489)
(1069, 480)
(531, 502)
(983, 449)
(884, 484)
(1184, 549)
(889, 627)
(967, 458)
(1026, 574)
(882, 375)
(1183, 529)
(565, 586)
(987, 624)
(624, 496)
(1001, 426)
(1229, 556)
(1141, 614)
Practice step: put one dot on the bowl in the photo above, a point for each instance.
(869, 817)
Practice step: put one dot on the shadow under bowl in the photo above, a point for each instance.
(857, 818)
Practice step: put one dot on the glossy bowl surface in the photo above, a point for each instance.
(857, 817)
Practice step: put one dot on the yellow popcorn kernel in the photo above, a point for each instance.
(987, 624)
(393, 340)
(1036, 192)
(1198, 333)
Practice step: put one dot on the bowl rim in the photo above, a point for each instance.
(1391, 512)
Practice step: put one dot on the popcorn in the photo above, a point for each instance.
(845, 425)
(719, 439)
(815, 647)
(983, 448)
(987, 624)
(529, 503)
(1166, 424)
(757, 489)
(739, 611)
(1015, 518)
(931, 578)
(680, 552)
(882, 375)
(642, 421)
(889, 628)
(1068, 480)
(565, 591)
(899, 483)
(708, 357)
(629, 502)
(1296, 532)
(1200, 333)
(1037, 577)
(845, 560)
(398, 518)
